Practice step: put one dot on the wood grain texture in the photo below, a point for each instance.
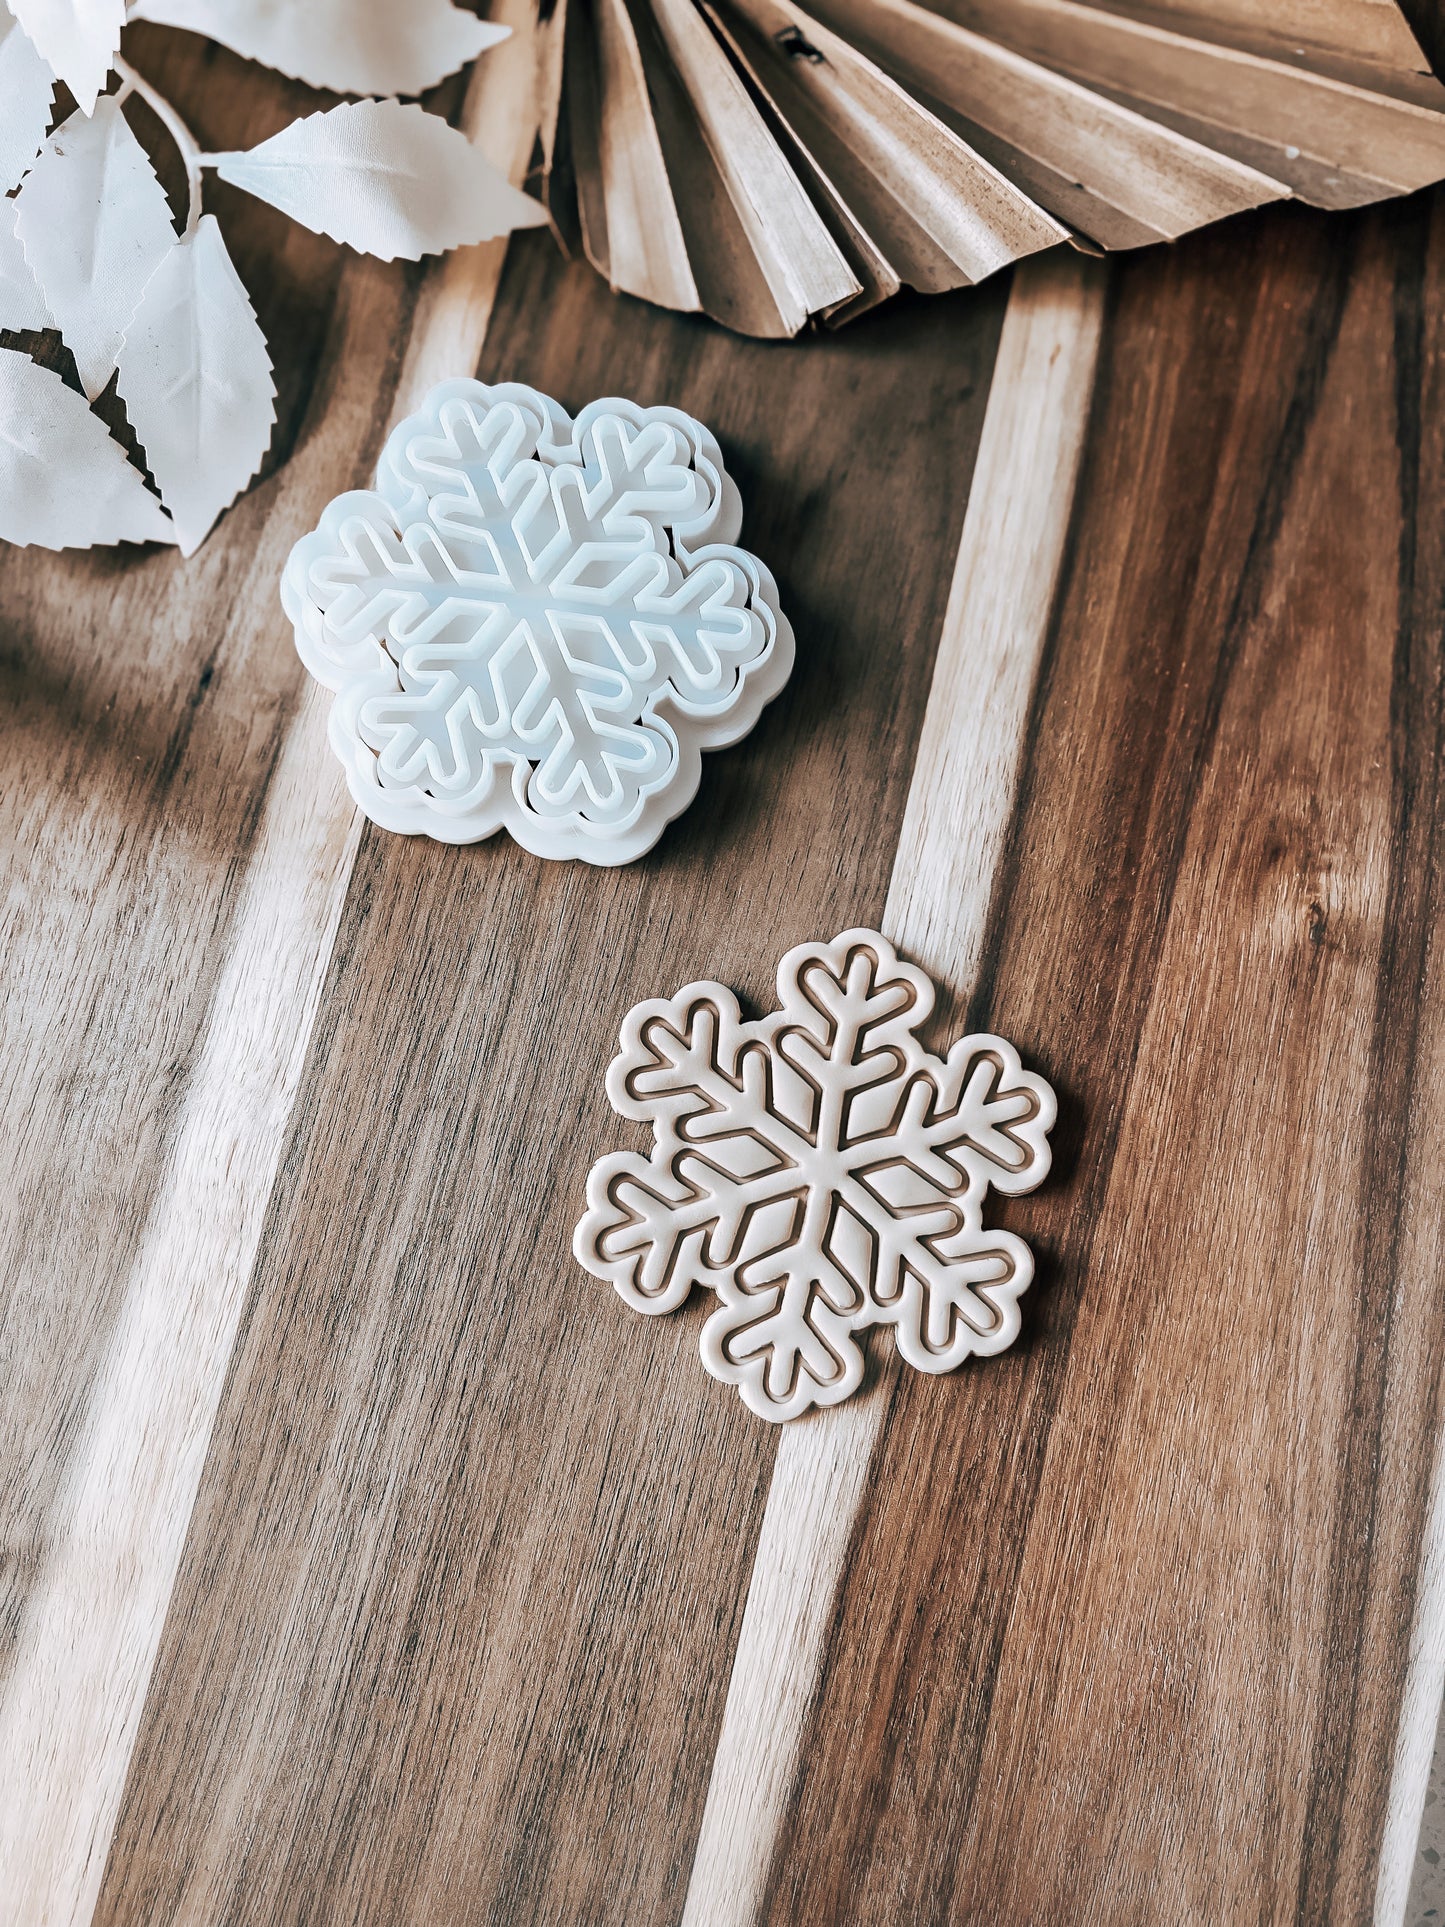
(452, 1640)
(1125, 1625)
(1402, 1862)
(1129, 1617)
(960, 804)
(146, 742)
(110, 1447)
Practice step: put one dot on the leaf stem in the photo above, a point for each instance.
(186, 143)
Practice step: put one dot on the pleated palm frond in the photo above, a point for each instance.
(769, 165)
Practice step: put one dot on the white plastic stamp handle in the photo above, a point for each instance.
(537, 624)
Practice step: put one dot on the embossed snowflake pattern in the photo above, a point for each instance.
(819, 1172)
(535, 623)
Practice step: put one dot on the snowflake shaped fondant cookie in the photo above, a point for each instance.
(820, 1172)
(535, 623)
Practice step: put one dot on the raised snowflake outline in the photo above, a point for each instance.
(536, 623)
(820, 1172)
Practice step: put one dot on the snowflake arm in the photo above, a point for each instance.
(785, 1334)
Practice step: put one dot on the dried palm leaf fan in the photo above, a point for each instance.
(768, 165)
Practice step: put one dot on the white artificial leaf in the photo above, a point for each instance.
(348, 46)
(79, 38)
(22, 305)
(64, 484)
(95, 225)
(386, 179)
(27, 87)
(196, 382)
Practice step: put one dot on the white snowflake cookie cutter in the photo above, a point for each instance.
(820, 1172)
(537, 624)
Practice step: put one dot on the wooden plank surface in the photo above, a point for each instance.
(121, 1345)
(960, 804)
(1128, 1618)
(1123, 1633)
(547, 1495)
(144, 872)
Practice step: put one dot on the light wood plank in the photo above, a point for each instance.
(959, 806)
(472, 1545)
(94, 1610)
(1419, 1727)
(91, 1619)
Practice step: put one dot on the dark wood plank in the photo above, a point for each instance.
(1123, 1633)
(453, 1631)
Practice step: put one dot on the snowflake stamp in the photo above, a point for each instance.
(537, 624)
(819, 1172)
